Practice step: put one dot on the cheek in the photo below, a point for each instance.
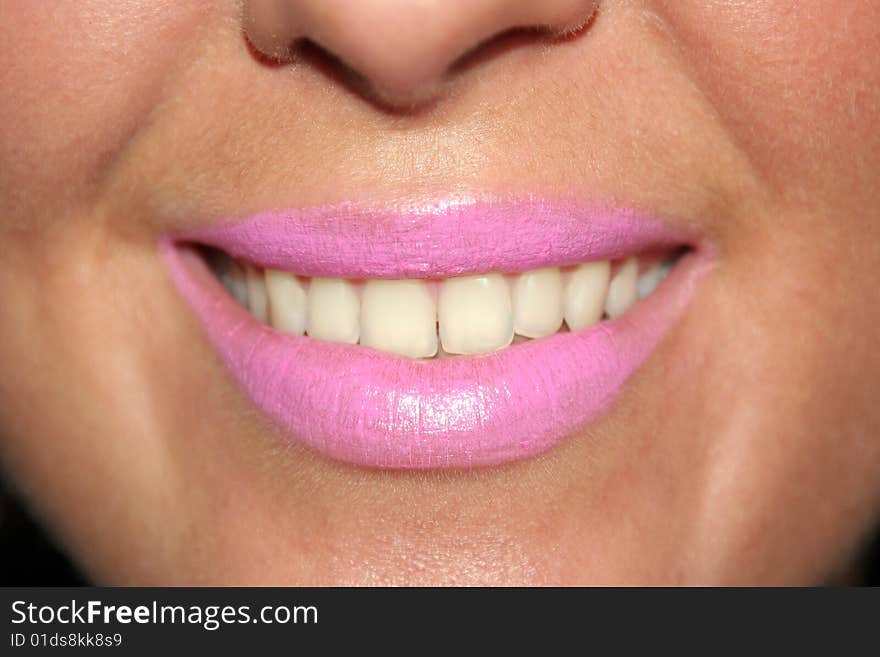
(78, 79)
(797, 83)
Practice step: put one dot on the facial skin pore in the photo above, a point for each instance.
(745, 451)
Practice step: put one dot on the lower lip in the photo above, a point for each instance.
(376, 409)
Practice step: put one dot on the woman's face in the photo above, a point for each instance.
(744, 446)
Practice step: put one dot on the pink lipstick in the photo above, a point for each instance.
(376, 409)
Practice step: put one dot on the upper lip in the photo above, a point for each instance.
(437, 240)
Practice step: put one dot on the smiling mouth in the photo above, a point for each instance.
(424, 318)
(447, 336)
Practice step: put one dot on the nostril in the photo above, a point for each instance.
(306, 51)
(275, 60)
(510, 40)
(397, 54)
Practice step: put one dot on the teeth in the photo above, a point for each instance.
(258, 299)
(622, 291)
(585, 294)
(649, 280)
(400, 317)
(333, 310)
(537, 303)
(287, 302)
(232, 277)
(475, 314)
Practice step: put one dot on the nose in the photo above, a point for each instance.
(402, 48)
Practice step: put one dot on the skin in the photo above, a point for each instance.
(745, 451)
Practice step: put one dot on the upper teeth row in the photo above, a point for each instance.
(476, 314)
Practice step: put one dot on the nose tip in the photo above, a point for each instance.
(403, 48)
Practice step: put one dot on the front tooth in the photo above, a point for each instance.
(537, 303)
(400, 317)
(649, 280)
(287, 302)
(475, 314)
(333, 310)
(585, 294)
(258, 299)
(623, 289)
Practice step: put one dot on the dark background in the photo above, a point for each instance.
(29, 557)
